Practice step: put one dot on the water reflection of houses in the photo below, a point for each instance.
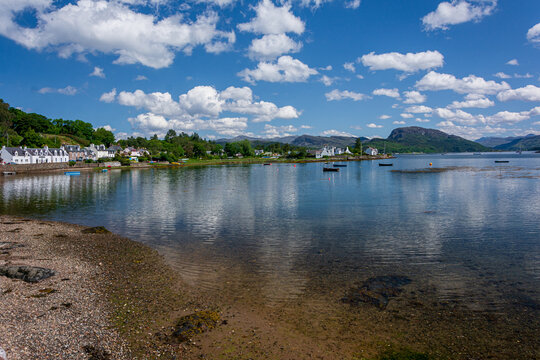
(47, 193)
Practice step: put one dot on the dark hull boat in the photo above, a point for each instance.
(339, 165)
(330, 169)
(384, 164)
(502, 161)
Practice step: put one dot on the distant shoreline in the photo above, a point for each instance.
(52, 167)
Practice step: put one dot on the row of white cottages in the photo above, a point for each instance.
(333, 151)
(66, 153)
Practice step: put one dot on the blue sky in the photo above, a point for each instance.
(224, 68)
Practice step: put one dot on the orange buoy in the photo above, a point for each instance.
(430, 164)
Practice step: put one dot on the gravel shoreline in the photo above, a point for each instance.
(62, 317)
(109, 297)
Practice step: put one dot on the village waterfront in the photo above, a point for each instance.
(457, 240)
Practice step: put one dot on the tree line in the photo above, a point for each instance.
(19, 128)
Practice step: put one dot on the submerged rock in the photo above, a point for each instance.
(196, 323)
(26, 273)
(96, 230)
(377, 290)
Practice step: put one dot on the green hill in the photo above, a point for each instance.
(418, 139)
(525, 144)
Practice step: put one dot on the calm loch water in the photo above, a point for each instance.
(470, 235)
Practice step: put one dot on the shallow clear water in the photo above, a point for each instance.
(287, 231)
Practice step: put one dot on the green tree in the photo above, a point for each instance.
(32, 139)
(103, 136)
(6, 118)
(232, 148)
(171, 134)
(358, 146)
(199, 150)
(245, 148)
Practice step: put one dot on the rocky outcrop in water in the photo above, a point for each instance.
(194, 324)
(377, 290)
(26, 273)
(96, 230)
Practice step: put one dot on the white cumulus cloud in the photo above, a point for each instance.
(327, 80)
(527, 93)
(398, 122)
(393, 93)
(414, 97)
(374, 126)
(286, 69)
(151, 123)
(98, 72)
(384, 117)
(68, 90)
(418, 109)
(409, 63)
(513, 62)
(203, 102)
(533, 35)
(468, 85)
(108, 97)
(333, 132)
(472, 101)
(336, 94)
(507, 117)
(457, 12)
(271, 19)
(458, 116)
(502, 75)
(271, 131)
(111, 27)
(349, 66)
(271, 46)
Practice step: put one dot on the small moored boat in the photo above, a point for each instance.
(340, 165)
(72, 173)
(330, 169)
(267, 164)
(502, 161)
(7, 173)
(386, 164)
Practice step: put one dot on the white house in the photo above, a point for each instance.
(15, 155)
(58, 155)
(129, 151)
(100, 151)
(347, 151)
(371, 151)
(24, 155)
(328, 151)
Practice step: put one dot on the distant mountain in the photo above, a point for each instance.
(498, 141)
(418, 139)
(401, 140)
(529, 142)
(308, 141)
